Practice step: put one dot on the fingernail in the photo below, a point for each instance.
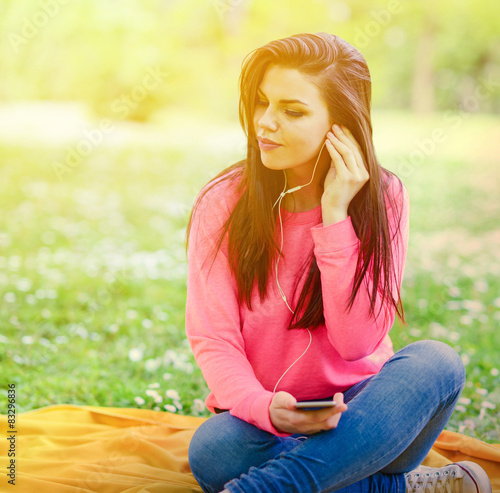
(336, 127)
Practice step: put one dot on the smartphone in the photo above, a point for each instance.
(314, 405)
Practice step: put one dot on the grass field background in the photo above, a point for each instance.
(93, 267)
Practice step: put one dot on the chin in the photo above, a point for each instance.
(275, 164)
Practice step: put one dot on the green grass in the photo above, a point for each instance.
(93, 270)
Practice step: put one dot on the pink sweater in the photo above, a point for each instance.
(243, 353)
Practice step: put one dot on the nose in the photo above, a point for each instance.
(267, 120)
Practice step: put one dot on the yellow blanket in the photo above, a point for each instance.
(83, 449)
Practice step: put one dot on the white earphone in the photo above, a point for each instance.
(282, 293)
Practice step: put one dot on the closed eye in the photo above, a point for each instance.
(294, 114)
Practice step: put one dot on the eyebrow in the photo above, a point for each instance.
(284, 101)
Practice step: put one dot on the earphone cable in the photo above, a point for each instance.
(282, 293)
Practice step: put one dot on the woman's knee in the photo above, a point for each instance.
(209, 441)
(207, 452)
(224, 447)
(438, 358)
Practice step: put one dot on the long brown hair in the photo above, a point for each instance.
(342, 76)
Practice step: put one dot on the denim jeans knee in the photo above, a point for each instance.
(224, 447)
(440, 359)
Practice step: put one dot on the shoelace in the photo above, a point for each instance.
(433, 483)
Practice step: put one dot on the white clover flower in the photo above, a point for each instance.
(466, 320)
(415, 332)
(172, 394)
(422, 303)
(464, 400)
(494, 372)
(481, 286)
(170, 356)
(147, 324)
(61, 339)
(51, 294)
(152, 364)
(24, 284)
(46, 313)
(80, 330)
(170, 408)
(488, 405)
(473, 305)
(167, 376)
(481, 391)
(3, 339)
(15, 261)
(30, 299)
(135, 354)
(27, 340)
(437, 330)
(155, 385)
(10, 297)
(453, 305)
(139, 401)
(198, 406)
(152, 393)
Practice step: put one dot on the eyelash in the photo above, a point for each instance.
(293, 114)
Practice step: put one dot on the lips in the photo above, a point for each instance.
(267, 144)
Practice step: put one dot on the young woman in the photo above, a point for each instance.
(296, 259)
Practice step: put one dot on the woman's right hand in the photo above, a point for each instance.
(287, 419)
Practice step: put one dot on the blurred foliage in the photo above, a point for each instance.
(101, 51)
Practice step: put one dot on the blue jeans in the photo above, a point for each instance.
(394, 418)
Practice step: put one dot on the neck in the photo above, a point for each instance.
(309, 196)
(301, 201)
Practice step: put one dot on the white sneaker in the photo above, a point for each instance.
(460, 477)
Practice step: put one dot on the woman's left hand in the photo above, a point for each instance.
(286, 418)
(346, 176)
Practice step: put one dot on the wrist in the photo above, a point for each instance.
(333, 215)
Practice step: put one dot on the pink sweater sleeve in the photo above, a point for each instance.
(356, 334)
(213, 325)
